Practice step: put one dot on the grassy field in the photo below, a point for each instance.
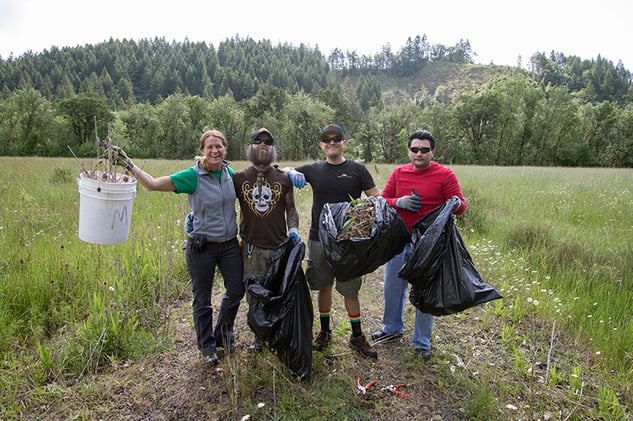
(104, 332)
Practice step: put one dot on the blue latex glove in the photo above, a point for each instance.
(189, 223)
(411, 203)
(297, 178)
(294, 234)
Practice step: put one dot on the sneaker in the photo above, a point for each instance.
(360, 344)
(212, 359)
(322, 340)
(381, 336)
(425, 354)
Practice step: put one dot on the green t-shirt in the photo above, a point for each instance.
(186, 181)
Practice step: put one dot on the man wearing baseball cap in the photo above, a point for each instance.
(267, 208)
(333, 180)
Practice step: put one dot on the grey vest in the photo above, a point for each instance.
(213, 206)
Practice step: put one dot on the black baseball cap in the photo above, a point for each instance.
(332, 128)
(257, 132)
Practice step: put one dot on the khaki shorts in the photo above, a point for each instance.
(319, 273)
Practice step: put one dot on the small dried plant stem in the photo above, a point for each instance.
(81, 165)
(549, 352)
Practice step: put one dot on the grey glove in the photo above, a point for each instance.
(411, 203)
(458, 203)
(121, 158)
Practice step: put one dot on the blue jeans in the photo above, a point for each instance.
(395, 297)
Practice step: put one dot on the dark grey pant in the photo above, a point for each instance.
(201, 265)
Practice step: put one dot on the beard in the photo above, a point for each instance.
(262, 157)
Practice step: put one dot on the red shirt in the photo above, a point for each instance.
(435, 185)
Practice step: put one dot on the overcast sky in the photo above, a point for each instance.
(499, 31)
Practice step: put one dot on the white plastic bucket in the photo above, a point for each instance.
(105, 208)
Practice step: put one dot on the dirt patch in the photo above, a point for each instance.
(177, 385)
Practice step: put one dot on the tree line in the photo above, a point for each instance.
(155, 98)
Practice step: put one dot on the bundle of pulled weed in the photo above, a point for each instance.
(361, 217)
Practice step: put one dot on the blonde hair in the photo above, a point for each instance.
(203, 138)
(215, 133)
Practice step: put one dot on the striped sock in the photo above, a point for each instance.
(354, 320)
(324, 318)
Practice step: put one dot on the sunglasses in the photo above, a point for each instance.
(423, 149)
(336, 139)
(267, 141)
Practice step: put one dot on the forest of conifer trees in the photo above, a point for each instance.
(155, 98)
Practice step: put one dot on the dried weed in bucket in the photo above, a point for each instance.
(104, 168)
(105, 198)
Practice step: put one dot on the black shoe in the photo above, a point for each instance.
(322, 340)
(256, 347)
(381, 336)
(212, 359)
(425, 354)
(230, 349)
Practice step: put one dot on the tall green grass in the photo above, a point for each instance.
(573, 230)
(556, 242)
(69, 307)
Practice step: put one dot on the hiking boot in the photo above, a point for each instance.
(212, 359)
(360, 344)
(381, 336)
(322, 340)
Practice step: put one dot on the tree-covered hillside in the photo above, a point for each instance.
(155, 98)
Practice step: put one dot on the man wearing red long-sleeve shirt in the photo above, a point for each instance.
(414, 189)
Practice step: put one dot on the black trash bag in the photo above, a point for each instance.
(429, 237)
(280, 312)
(442, 274)
(355, 257)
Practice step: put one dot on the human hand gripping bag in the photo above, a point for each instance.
(441, 271)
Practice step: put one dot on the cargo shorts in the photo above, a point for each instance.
(320, 275)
